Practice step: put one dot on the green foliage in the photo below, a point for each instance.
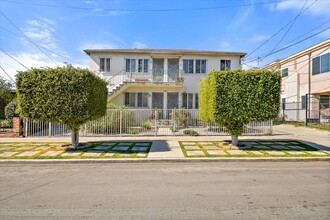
(5, 124)
(10, 110)
(235, 98)
(110, 123)
(190, 133)
(133, 131)
(146, 125)
(5, 95)
(67, 95)
(180, 117)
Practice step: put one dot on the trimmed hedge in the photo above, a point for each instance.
(67, 95)
(235, 98)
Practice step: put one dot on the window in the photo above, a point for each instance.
(143, 65)
(188, 66)
(196, 101)
(303, 102)
(136, 99)
(200, 66)
(283, 103)
(321, 64)
(130, 65)
(187, 100)
(225, 64)
(324, 101)
(130, 99)
(142, 99)
(105, 64)
(285, 72)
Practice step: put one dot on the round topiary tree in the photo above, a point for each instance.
(67, 95)
(235, 98)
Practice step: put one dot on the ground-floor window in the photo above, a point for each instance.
(324, 101)
(139, 99)
(188, 100)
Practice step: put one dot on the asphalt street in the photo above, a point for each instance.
(204, 190)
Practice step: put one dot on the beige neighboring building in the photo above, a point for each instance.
(305, 72)
(158, 78)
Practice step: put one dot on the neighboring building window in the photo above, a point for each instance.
(324, 101)
(285, 72)
(321, 64)
(105, 64)
(188, 66)
(187, 100)
(196, 101)
(142, 99)
(200, 66)
(303, 102)
(130, 65)
(283, 103)
(130, 99)
(225, 64)
(143, 65)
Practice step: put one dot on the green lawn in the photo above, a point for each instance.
(65, 151)
(265, 148)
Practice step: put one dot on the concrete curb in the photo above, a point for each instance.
(163, 160)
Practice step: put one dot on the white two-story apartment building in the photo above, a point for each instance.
(162, 79)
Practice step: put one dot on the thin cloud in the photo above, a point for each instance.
(258, 38)
(139, 45)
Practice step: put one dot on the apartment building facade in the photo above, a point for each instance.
(162, 79)
(305, 81)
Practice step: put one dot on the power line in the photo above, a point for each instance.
(249, 54)
(288, 46)
(147, 10)
(288, 30)
(28, 37)
(67, 58)
(7, 74)
(14, 58)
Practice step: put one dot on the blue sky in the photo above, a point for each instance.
(67, 27)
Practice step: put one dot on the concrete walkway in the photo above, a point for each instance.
(167, 147)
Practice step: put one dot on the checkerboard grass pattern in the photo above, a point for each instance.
(260, 148)
(63, 151)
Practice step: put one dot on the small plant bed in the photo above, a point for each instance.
(262, 148)
(97, 150)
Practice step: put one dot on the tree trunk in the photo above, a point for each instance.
(234, 140)
(75, 138)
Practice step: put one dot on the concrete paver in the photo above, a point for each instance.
(141, 154)
(280, 147)
(28, 154)
(195, 153)
(92, 153)
(51, 153)
(192, 147)
(211, 147)
(275, 152)
(7, 154)
(295, 152)
(261, 147)
(102, 147)
(70, 154)
(296, 147)
(236, 152)
(120, 148)
(316, 153)
(216, 152)
(143, 149)
(256, 152)
(110, 154)
(6, 148)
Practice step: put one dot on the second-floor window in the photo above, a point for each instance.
(225, 65)
(130, 65)
(194, 66)
(105, 64)
(321, 64)
(285, 72)
(143, 65)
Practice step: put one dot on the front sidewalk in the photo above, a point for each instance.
(168, 147)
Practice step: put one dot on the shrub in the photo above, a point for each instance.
(67, 95)
(5, 95)
(235, 98)
(146, 125)
(5, 124)
(190, 133)
(10, 109)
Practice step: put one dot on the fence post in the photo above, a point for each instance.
(50, 129)
(26, 127)
(174, 121)
(306, 107)
(271, 127)
(120, 121)
(156, 117)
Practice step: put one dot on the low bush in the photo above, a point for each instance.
(10, 109)
(5, 124)
(146, 125)
(190, 133)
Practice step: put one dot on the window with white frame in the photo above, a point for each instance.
(321, 64)
(187, 100)
(188, 66)
(225, 64)
(139, 99)
(200, 66)
(105, 64)
(285, 72)
(130, 65)
(143, 65)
